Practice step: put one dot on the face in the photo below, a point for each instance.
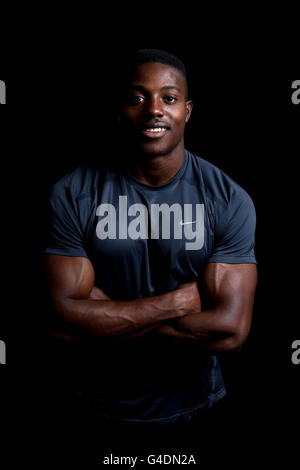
(155, 109)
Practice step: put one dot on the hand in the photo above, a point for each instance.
(97, 294)
(188, 298)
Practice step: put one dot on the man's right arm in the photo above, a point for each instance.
(83, 311)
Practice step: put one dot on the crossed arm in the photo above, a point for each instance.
(85, 310)
(226, 325)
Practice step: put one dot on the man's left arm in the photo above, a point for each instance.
(226, 325)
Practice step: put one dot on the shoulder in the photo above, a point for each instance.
(219, 187)
(78, 182)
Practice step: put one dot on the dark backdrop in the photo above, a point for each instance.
(243, 121)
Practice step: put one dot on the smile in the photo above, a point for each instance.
(155, 132)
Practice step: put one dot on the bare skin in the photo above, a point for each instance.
(85, 309)
(226, 326)
(157, 97)
(88, 310)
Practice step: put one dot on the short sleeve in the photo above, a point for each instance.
(64, 233)
(235, 224)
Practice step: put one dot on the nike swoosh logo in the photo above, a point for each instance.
(186, 223)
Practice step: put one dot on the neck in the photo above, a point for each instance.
(160, 169)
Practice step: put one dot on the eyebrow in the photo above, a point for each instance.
(170, 87)
(167, 87)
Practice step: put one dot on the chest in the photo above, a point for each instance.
(131, 226)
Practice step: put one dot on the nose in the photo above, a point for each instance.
(155, 107)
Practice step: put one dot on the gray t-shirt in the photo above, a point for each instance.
(144, 241)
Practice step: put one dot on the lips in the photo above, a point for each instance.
(156, 131)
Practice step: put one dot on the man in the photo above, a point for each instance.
(136, 248)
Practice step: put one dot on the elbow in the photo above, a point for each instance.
(232, 343)
(63, 328)
(235, 343)
(237, 339)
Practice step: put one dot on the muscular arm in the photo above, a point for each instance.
(226, 325)
(84, 310)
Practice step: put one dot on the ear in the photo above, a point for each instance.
(188, 110)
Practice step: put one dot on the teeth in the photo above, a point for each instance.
(156, 129)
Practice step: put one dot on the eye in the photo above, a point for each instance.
(170, 99)
(136, 99)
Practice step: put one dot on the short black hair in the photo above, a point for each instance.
(142, 56)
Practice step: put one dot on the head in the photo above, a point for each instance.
(155, 106)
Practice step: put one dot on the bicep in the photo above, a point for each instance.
(69, 277)
(232, 288)
(222, 280)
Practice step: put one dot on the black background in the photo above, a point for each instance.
(58, 113)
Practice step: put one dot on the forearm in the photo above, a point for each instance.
(208, 325)
(211, 329)
(116, 319)
(59, 332)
